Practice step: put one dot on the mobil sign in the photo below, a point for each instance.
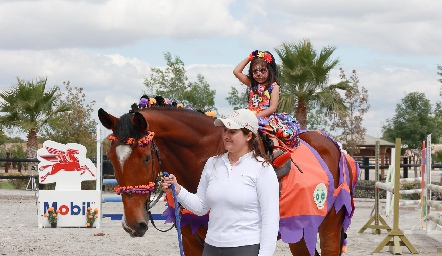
(66, 165)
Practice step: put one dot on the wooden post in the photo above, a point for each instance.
(396, 234)
(366, 162)
(7, 164)
(376, 228)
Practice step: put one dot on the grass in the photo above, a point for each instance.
(4, 184)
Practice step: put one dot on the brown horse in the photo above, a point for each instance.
(180, 141)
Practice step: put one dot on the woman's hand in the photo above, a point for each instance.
(167, 181)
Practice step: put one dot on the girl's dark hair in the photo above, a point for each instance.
(272, 67)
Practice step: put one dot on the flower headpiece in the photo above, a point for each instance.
(131, 141)
(260, 54)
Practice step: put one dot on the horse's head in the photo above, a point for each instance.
(132, 156)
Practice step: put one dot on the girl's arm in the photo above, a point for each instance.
(238, 72)
(274, 99)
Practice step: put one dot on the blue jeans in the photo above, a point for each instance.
(246, 250)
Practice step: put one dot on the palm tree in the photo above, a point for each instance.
(28, 107)
(304, 76)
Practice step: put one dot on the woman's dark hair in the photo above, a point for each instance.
(256, 146)
(272, 67)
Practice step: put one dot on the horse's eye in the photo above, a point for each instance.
(146, 159)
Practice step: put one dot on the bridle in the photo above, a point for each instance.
(151, 186)
(155, 151)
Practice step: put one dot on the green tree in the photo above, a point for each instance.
(237, 99)
(437, 123)
(350, 121)
(412, 122)
(28, 107)
(439, 67)
(316, 120)
(199, 95)
(3, 137)
(304, 76)
(172, 83)
(76, 125)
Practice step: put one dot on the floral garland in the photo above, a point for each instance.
(141, 189)
(131, 141)
(263, 55)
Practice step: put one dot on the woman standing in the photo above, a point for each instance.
(241, 191)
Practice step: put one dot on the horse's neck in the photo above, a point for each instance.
(185, 141)
(187, 162)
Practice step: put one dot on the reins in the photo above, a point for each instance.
(150, 204)
(177, 215)
(177, 222)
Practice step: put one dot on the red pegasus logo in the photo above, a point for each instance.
(62, 161)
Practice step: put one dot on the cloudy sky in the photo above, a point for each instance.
(108, 47)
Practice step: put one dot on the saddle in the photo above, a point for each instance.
(281, 160)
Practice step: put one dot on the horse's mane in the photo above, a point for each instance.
(125, 129)
(178, 112)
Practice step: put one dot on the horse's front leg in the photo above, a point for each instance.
(193, 244)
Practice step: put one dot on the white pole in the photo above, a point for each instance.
(99, 172)
(389, 179)
(427, 193)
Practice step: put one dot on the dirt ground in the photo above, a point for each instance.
(20, 234)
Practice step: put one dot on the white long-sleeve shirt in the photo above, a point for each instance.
(243, 200)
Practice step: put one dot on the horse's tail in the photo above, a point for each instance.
(343, 242)
(353, 166)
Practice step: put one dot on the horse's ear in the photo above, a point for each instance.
(107, 120)
(140, 122)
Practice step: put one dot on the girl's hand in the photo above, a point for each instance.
(167, 181)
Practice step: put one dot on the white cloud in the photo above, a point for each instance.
(394, 45)
(61, 24)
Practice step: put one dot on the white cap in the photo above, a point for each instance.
(240, 118)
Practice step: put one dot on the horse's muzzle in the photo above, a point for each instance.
(139, 230)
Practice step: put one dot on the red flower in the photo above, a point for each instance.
(268, 57)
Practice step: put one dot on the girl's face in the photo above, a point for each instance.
(260, 71)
